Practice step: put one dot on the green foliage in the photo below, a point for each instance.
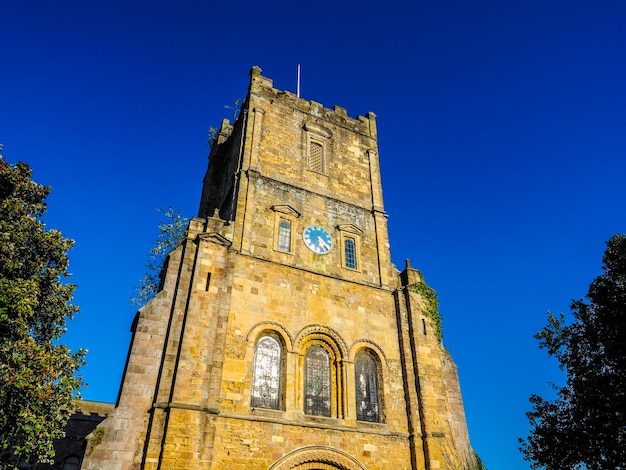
(37, 375)
(474, 463)
(95, 439)
(213, 135)
(585, 426)
(431, 310)
(172, 232)
(470, 461)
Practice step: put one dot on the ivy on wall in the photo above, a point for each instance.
(431, 306)
(96, 438)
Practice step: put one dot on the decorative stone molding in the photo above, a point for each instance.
(279, 329)
(369, 344)
(214, 237)
(317, 129)
(350, 228)
(285, 209)
(317, 457)
(312, 332)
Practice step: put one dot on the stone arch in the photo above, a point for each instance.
(317, 458)
(371, 345)
(275, 328)
(332, 403)
(322, 333)
(267, 380)
(376, 412)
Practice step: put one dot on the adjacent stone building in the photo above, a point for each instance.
(283, 337)
(70, 450)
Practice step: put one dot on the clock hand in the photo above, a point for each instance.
(322, 243)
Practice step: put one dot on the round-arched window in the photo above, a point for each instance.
(367, 388)
(266, 375)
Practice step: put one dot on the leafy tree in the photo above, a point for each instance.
(37, 375)
(172, 231)
(585, 426)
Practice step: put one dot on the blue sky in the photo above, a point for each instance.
(501, 135)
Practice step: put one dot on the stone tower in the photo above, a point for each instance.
(283, 337)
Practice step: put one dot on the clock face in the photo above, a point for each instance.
(317, 239)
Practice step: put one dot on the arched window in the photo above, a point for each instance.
(317, 386)
(367, 391)
(71, 463)
(266, 376)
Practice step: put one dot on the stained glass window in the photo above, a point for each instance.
(284, 235)
(266, 374)
(366, 377)
(317, 391)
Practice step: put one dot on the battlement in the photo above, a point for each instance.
(93, 408)
(338, 115)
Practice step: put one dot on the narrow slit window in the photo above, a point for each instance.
(284, 235)
(266, 374)
(350, 253)
(317, 391)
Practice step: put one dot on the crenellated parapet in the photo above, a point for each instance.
(337, 115)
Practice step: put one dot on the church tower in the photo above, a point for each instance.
(283, 337)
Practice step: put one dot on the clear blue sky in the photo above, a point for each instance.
(502, 128)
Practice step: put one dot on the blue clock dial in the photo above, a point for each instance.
(317, 239)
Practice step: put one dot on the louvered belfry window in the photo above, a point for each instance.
(316, 157)
(366, 377)
(317, 391)
(266, 374)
